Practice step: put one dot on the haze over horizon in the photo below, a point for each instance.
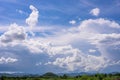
(61, 36)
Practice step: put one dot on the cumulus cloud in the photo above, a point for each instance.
(95, 11)
(14, 33)
(100, 25)
(33, 17)
(39, 47)
(104, 34)
(81, 62)
(108, 45)
(4, 60)
(67, 49)
(72, 22)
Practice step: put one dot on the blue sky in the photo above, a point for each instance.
(39, 36)
(57, 12)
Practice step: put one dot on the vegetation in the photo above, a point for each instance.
(52, 76)
(49, 75)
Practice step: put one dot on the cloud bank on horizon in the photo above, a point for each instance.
(91, 46)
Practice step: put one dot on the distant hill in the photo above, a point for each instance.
(49, 74)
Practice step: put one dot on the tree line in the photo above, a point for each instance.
(52, 76)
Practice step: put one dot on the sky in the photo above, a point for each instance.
(61, 36)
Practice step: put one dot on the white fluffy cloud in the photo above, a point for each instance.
(95, 11)
(33, 17)
(4, 60)
(81, 62)
(100, 25)
(67, 48)
(104, 34)
(14, 33)
(108, 45)
(62, 47)
(37, 47)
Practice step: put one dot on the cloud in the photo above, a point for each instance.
(78, 61)
(95, 11)
(72, 22)
(21, 11)
(14, 33)
(38, 64)
(92, 50)
(67, 49)
(9, 72)
(99, 25)
(104, 34)
(4, 60)
(52, 49)
(33, 17)
(108, 45)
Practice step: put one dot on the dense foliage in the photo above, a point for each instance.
(51, 76)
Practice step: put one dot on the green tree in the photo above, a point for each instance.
(3, 77)
(65, 76)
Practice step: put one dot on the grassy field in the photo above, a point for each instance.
(65, 77)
